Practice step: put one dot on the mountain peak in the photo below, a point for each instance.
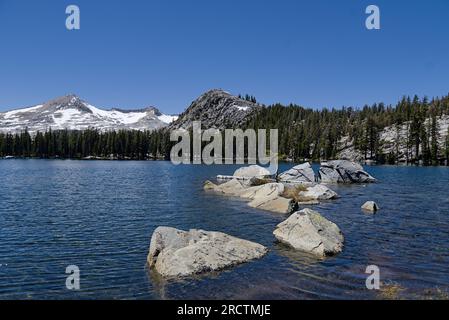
(70, 101)
(217, 108)
(68, 98)
(217, 91)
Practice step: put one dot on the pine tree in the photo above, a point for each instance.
(447, 147)
(434, 133)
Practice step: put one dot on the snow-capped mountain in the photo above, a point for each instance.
(70, 112)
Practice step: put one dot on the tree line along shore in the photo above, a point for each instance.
(415, 131)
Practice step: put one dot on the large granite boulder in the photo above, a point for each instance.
(301, 174)
(177, 253)
(248, 173)
(318, 192)
(310, 232)
(251, 172)
(344, 171)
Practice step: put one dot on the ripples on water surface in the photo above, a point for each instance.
(100, 216)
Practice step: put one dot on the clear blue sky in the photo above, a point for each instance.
(165, 53)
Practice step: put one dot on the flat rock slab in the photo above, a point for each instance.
(178, 253)
(310, 232)
(237, 188)
(266, 197)
(318, 192)
(263, 192)
(278, 205)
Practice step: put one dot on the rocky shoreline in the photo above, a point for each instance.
(176, 253)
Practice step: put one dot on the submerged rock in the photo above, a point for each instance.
(177, 253)
(310, 232)
(370, 206)
(300, 174)
(318, 192)
(344, 171)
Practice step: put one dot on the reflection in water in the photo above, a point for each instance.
(100, 216)
(159, 284)
(298, 259)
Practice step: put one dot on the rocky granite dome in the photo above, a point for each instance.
(70, 112)
(217, 109)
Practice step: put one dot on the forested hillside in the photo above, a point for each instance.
(414, 130)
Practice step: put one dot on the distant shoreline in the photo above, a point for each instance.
(162, 159)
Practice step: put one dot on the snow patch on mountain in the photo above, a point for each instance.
(118, 116)
(16, 113)
(167, 118)
(245, 108)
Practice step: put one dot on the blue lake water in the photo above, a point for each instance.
(100, 215)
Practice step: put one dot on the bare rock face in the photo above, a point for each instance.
(318, 192)
(177, 253)
(344, 171)
(217, 109)
(370, 206)
(310, 232)
(394, 140)
(301, 174)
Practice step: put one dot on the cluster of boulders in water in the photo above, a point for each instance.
(175, 253)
